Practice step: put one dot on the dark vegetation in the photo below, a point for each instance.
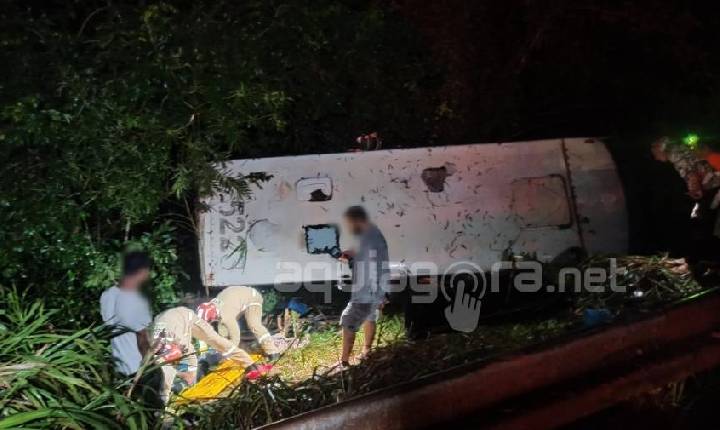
(112, 111)
(111, 114)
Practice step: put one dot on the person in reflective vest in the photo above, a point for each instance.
(234, 303)
(175, 329)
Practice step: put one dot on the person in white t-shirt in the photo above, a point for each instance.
(124, 307)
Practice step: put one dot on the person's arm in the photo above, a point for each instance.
(204, 331)
(143, 342)
(232, 329)
(347, 256)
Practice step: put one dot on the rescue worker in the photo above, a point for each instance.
(229, 306)
(702, 181)
(712, 158)
(692, 166)
(695, 171)
(173, 333)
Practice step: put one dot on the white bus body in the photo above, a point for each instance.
(440, 205)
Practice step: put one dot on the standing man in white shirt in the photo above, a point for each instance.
(124, 307)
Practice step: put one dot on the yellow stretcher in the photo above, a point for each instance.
(214, 383)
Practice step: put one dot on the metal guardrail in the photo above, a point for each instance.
(600, 367)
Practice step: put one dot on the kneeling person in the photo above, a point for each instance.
(229, 306)
(174, 331)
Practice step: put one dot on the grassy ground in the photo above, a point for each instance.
(323, 349)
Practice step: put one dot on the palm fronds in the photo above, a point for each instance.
(53, 378)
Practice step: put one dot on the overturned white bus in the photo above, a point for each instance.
(440, 205)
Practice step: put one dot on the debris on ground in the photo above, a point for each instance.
(641, 283)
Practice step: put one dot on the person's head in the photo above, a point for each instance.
(135, 269)
(658, 149)
(208, 311)
(356, 220)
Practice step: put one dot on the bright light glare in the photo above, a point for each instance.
(691, 140)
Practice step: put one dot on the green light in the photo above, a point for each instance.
(691, 140)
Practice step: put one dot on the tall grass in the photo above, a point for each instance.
(52, 378)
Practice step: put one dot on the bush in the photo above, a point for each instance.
(52, 378)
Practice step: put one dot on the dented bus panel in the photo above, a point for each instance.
(441, 209)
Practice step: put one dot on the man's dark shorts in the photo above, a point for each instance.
(355, 314)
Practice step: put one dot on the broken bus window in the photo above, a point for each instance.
(314, 189)
(322, 239)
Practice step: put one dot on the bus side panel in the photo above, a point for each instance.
(489, 199)
(600, 200)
